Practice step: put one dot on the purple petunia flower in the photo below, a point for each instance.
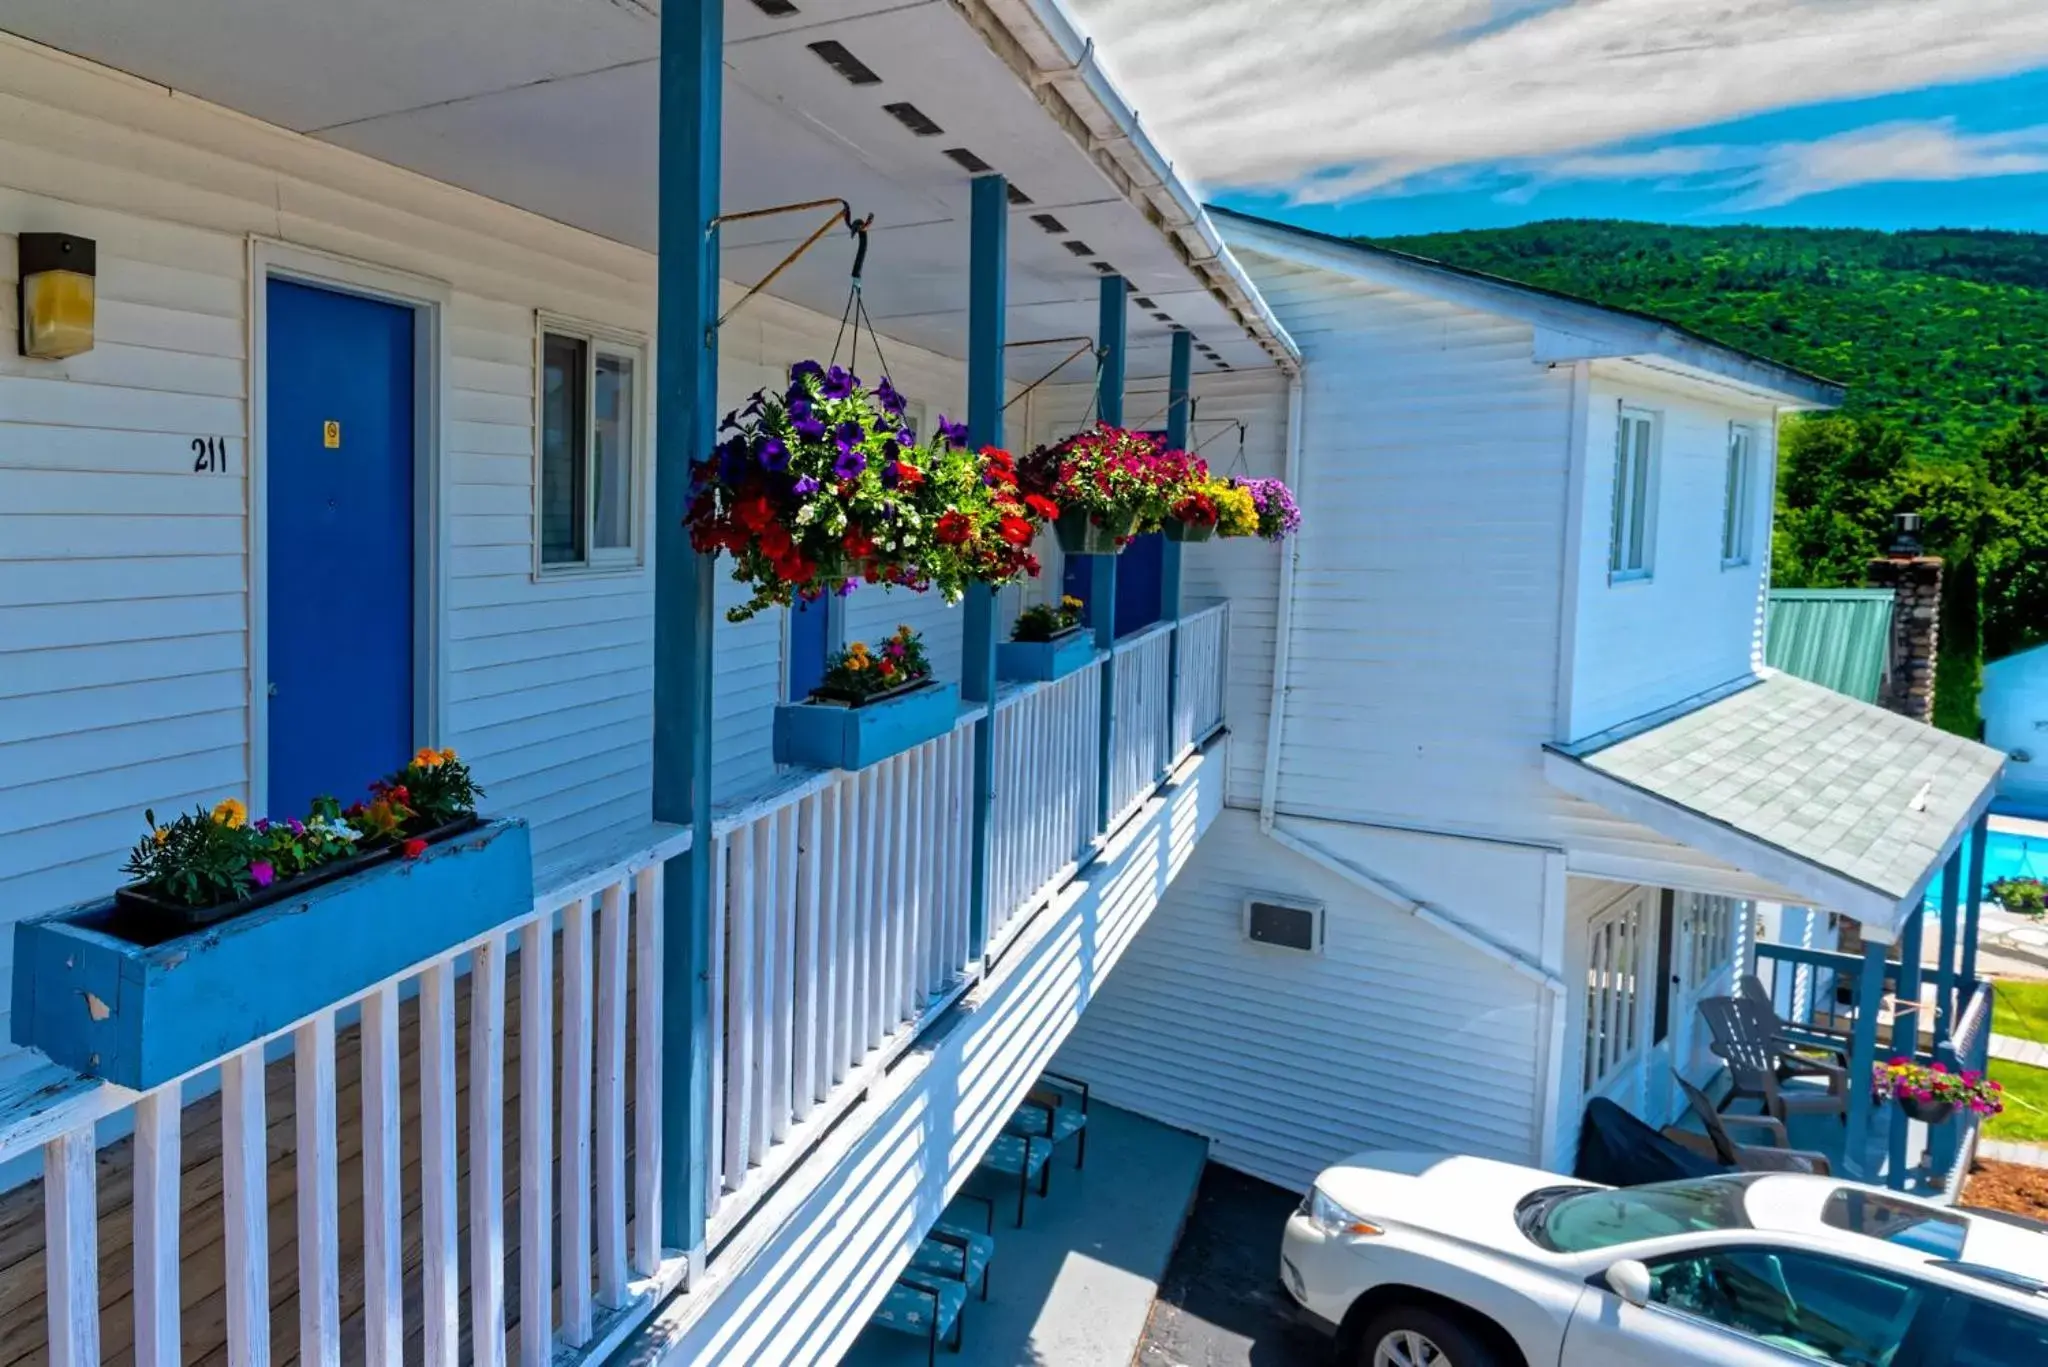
(846, 587)
(262, 874)
(804, 370)
(730, 422)
(804, 487)
(298, 826)
(891, 448)
(953, 433)
(906, 436)
(774, 455)
(809, 428)
(732, 461)
(889, 398)
(892, 474)
(850, 463)
(849, 433)
(839, 383)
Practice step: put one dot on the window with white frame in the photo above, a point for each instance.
(1739, 492)
(591, 443)
(1613, 979)
(1713, 925)
(1635, 485)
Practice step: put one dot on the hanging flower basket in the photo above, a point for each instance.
(1190, 532)
(236, 929)
(1110, 484)
(1279, 516)
(824, 487)
(1080, 533)
(1932, 1092)
(1237, 513)
(872, 704)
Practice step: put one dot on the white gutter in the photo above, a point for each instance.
(1420, 910)
(1041, 42)
(1283, 624)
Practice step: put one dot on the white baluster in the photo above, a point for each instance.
(536, 1142)
(318, 1186)
(245, 1201)
(610, 1212)
(721, 1035)
(159, 1137)
(741, 963)
(440, 1283)
(574, 1108)
(810, 1019)
(71, 1244)
(383, 1196)
(779, 894)
(487, 1152)
(647, 1047)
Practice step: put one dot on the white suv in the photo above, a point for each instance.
(1413, 1260)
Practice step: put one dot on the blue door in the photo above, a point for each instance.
(339, 452)
(809, 641)
(1138, 573)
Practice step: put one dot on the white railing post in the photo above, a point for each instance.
(245, 1197)
(611, 1097)
(71, 1241)
(383, 1197)
(573, 1109)
(536, 1142)
(487, 1151)
(441, 1295)
(318, 1186)
(159, 1143)
(647, 949)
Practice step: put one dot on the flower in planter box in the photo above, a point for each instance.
(230, 813)
(413, 848)
(1043, 621)
(858, 673)
(199, 859)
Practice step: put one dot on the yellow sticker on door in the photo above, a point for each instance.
(330, 435)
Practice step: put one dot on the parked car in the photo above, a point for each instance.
(1411, 1260)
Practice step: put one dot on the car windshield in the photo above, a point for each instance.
(1576, 1221)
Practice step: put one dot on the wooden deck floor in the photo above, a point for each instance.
(23, 1324)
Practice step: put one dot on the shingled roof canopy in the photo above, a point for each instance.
(1836, 799)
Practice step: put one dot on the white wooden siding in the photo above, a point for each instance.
(1395, 1036)
(1692, 624)
(124, 576)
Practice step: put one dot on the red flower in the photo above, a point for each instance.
(954, 528)
(908, 476)
(400, 794)
(1043, 506)
(857, 542)
(1015, 530)
(413, 848)
(754, 512)
(774, 539)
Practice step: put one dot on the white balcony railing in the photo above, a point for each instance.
(462, 1163)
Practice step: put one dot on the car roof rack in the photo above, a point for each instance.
(2015, 1281)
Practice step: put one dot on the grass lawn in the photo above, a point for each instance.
(2021, 1009)
(2025, 1119)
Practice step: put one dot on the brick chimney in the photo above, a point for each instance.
(1915, 582)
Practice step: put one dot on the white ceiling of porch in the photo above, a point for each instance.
(551, 105)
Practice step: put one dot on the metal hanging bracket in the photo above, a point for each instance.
(842, 213)
(1082, 346)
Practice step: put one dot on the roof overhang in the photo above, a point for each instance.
(552, 106)
(1852, 807)
(1567, 330)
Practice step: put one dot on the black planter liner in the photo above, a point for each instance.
(1051, 640)
(145, 919)
(1078, 533)
(832, 697)
(1177, 530)
(1927, 1112)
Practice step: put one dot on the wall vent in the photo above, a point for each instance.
(1018, 199)
(1104, 267)
(845, 63)
(1049, 223)
(1078, 247)
(1284, 925)
(775, 9)
(1163, 317)
(1142, 302)
(913, 118)
(967, 161)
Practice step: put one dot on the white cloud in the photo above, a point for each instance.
(1333, 98)
(1765, 175)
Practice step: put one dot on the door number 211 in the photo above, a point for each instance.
(209, 456)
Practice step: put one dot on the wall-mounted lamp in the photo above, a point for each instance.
(56, 294)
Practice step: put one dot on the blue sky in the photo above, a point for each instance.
(1395, 116)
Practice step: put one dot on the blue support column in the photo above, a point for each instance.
(1905, 1034)
(1109, 403)
(686, 387)
(1862, 1059)
(1973, 898)
(1945, 971)
(1178, 381)
(987, 299)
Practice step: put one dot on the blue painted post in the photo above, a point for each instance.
(1906, 1019)
(686, 295)
(987, 298)
(1862, 1059)
(1109, 404)
(1945, 971)
(1178, 381)
(1973, 898)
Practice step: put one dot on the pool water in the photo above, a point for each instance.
(2008, 853)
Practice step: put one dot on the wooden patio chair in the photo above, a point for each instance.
(1825, 1039)
(1773, 1157)
(1760, 1061)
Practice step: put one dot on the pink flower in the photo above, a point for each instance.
(262, 874)
(413, 848)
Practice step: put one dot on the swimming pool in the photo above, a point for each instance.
(2012, 849)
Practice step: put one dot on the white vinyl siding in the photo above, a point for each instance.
(1634, 523)
(1737, 513)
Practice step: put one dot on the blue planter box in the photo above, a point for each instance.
(1044, 661)
(140, 1015)
(827, 737)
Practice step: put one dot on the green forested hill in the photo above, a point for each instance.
(1942, 340)
(1945, 332)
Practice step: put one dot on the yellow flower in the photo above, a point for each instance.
(857, 663)
(448, 754)
(230, 814)
(160, 834)
(428, 758)
(1071, 603)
